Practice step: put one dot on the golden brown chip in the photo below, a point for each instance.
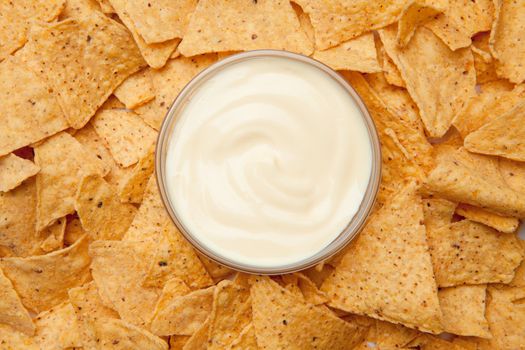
(177, 342)
(502, 136)
(336, 21)
(182, 314)
(13, 340)
(54, 236)
(28, 113)
(519, 275)
(495, 98)
(120, 335)
(118, 269)
(63, 162)
(175, 257)
(132, 187)
(282, 321)
(428, 342)
(242, 26)
(64, 50)
(414, 14)
(136, 90)
(466, 252)
(392, 336)
(501, 223)
(199, 339)
(100, 211)
(483, 60)
(390, 70)
(106, 7)
(73, 232)
(57, 328)
(427, 60)
(506, 316)
(157, 21)
(246, 339)
(358, 54)
(391, 253)
(126, 134)
(42, 281)
(17, 18)
(215, 270)
(168, 82)
(461, 20)
(437, 212)
(12, 312)
(463, 310)
(506, 40)
(15, 170)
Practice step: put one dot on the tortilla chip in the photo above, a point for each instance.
(392, 74)
(505, 224)
(106, 7)
(199, 339)
(427, 60)
(118, 269)
(101, 213)
(242, 26)
(16, 20)
(73, 232)
(88, 137)
(496, 98)
(506, 42)
(28, 113)
(282, 321)
(12, 312)
(483, 60)
(304, 21)
(63, 162)
(502, 136)
(96, 42)
(475, 179)
(513, 173)
(177, 342)
(151, 217)
(391, 253)
(57, 328)
(336, 21)
(358, 54)
(307, 289)
(121, 335)
(519, 276)
(215, 270)
(461, 20)
(246, 339)
(131, 189)
(13, 340)
(42, 281)
(463, 310)
(79, 8)
(182, 314)
(414, 14)
(158, 21)
(506, 316)
(168, 82)
(428, 342)
(15, 170)
(231, 313)
(437, 212)
(392, 336)
(175, 257)
(54, 236)
(136, 90)
(466, 252)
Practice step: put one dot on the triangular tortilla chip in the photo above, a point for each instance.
(282, 321)
(461, 20)
(391, 253)
(502, 136)
(63, 162)
(54, 236)
(182, 314)
(427, 60)
(483, 61)
(463, 310)
(175, 257)
(246, 339)
(126, 134)
(506, 316)
(101, 213)
(42, 281)
(215, 270)
(28, 113)
(199, 339)
(131, 188)
(58, 328)
(73, 232)
(231, 313)
(64, 50)
(136, 90)
(437, 212)
(506, 44)
(466, 252)
(158, 21)
(475, 179)
(12, 312)
(495, 98)
(16, 20)
(168, 82)
(118, 269)
(121, 335)
(414, 14)
(242, 25)
(15, 170)
(392, 336)
(505, 224)
(392, 75)
(358, 54)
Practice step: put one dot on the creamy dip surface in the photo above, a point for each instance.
(268, 162)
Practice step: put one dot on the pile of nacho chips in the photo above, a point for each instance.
(89, 258)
